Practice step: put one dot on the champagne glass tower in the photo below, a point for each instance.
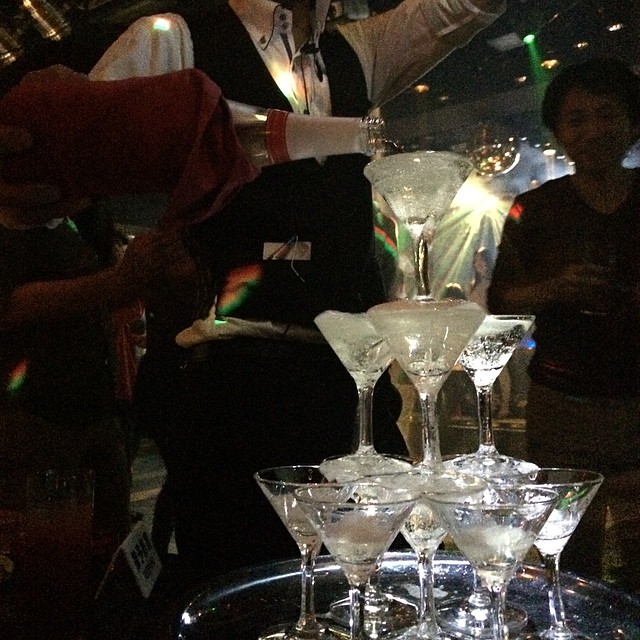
(419, 188)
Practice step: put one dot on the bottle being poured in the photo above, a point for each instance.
(173, 133)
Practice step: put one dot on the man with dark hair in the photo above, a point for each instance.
(569, 255)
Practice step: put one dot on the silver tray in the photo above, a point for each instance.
(244, 603)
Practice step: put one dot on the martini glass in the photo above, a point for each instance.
(426, 338)
(484, 357)
(356, 532)
(424, 533)
(279, 484)
(495, 533)
(419, 188)
(366, 356)
(576, 489)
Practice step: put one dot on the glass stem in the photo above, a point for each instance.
(556, 605)
(365, 419)
(498, 599)
(307, 626)
(484, 395)
(430, 436)
(420, 265)
(357, 611)
(426, 613)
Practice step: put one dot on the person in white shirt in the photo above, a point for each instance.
(249, 382)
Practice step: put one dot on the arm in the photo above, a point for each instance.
(149, 260)
(399, 46)
(170, 134)
(530, 274)
(151, 46)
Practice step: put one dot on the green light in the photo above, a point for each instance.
(529, 38)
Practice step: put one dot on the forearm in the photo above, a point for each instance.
(170, 134)
(60, 299)
(519, 297)
(399, 46)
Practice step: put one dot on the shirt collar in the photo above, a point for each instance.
(258, 18)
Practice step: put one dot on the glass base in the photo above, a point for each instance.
(386, 615)
(494, 466)
(462, 620)
(359, 465)
(287, 631)
(563, 634)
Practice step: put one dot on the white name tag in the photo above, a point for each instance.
(142, 558)
(291, 250)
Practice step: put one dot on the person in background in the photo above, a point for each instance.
(262, 387)
(124, 326)
(569, 255)
(482, 269)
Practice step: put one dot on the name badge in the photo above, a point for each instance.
(142, 558)
(292, 249)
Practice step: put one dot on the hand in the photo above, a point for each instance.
(589, 287)
(156, 264)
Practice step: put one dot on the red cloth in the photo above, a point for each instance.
(163, 134)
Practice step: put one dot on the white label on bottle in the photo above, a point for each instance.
(293, 249)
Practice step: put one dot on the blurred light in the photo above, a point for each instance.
(529, 38)
(10, 48)
(492, 152)
(506, 43)
(421, 88)
(550, 63)
(616, 26)
(521, 79)
(581, 45)
(49, 20)
(162, 24)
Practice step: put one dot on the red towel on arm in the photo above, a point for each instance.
(162, 134)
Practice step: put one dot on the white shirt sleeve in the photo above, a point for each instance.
(151, 46)
(399, 46)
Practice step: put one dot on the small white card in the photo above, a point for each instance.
(142, 558)
(291, 250)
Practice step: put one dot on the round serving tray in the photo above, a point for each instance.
(245, 603)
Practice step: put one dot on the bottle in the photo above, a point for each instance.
(272, 136)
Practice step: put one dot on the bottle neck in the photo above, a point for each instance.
(273, 136)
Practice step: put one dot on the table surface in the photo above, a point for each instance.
(245, 603)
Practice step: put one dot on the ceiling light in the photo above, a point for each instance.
(49, 20)
(10, 48)
(550, 63)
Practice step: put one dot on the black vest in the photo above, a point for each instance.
(328, 206)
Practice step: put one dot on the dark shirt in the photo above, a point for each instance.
(578, 352)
